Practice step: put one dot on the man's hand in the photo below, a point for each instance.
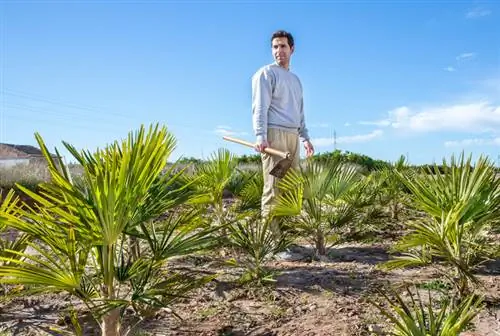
(309, 148)
(260, 146)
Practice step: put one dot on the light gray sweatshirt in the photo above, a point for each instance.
(277, 102)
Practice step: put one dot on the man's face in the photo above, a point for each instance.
(281, 50)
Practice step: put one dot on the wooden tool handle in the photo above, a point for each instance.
(268, 150)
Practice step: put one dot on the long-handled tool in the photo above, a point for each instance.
(280, 169)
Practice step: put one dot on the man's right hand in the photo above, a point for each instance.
(260, 146)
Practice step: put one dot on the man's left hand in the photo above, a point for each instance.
(309, 148)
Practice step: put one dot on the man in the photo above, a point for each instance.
(278, 113)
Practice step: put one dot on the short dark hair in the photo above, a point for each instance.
(283, 33)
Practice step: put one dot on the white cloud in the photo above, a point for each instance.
(481, 116)
(347, 124)
(466, 56)
(462, 58)
(360, 138)
(227, 130)
(318, 125)
(477, 13)
(473, 142)
(224, 127)
(380, 123)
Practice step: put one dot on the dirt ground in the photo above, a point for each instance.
(309, 299)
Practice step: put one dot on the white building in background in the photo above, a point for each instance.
(12, 155)
(11, 162)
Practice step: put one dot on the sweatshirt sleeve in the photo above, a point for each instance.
(262, 87)
(303, 131)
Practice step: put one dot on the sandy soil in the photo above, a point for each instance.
(309, 298)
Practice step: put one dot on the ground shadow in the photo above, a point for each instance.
(319, 279)
(370, 255)
(26, 321)
(363, 255)
(491, 267)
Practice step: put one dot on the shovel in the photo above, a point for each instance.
(280, 169)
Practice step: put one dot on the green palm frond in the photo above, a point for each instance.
(8, 204)
(213, 176)
(165, 288)
(179, 234)
(241, 178)
(49, 272)
(166, 192)
(418, 319)
(259, 241)
(289, 201)
(320, 198)
(122, 174)
(463, 203)
(446, 240)
(250, 195)
(80, 225)
(151, 290)
(292, 180)
(19, 244)
(477, 186)
(8, 209)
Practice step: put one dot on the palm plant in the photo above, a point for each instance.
(9, 240)
(243, 231)
(249, 190)
(371, 215)
(213, 178)
(81, 230)
(319, 199)
(393, 190)
(259, 243)
(209, 182)
(416, 319)
(463, 204)
(220, 175)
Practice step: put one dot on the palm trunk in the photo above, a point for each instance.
(462, 286)
(320, 244)
(111, 323)
(394, 210)
(134, 248)
(219, 222)
(111, 320)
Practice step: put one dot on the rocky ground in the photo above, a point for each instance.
(309, 298)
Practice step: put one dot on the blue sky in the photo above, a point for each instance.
(389, 78)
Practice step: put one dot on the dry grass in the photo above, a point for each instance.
(28, 175)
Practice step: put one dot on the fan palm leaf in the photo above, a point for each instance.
(85, 223)
(318, 199)
(463, 204)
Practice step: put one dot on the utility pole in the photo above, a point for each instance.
(334, 138)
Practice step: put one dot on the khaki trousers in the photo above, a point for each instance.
(281, 140)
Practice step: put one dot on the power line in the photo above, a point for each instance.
(99, 112)
(77, 116)
(35, 97)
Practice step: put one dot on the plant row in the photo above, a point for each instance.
(105, 236)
